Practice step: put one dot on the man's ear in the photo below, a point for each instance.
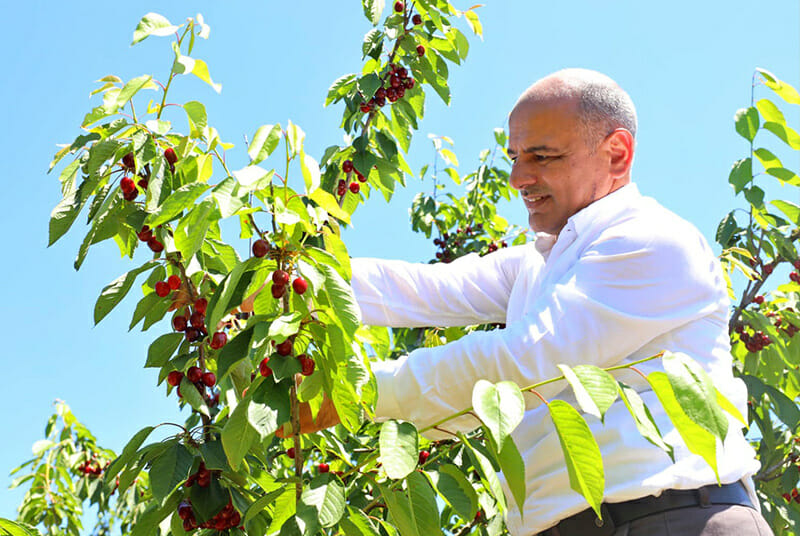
(620, 146)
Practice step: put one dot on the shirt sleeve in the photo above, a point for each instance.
(623, 291)
(470, 290)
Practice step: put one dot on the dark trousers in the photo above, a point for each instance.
(715, 520)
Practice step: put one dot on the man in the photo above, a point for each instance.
(611, 277)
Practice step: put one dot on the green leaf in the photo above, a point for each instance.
(368, 85)
(127, 455)
(486, 471)
(456, 490)
(644, 420)
(741, 174)
(747, 122)
(329, 203)
(178, 201)
(785, 133)
(769, 111)
(198, 119)
(697, 439)
(728, 406)
(340, 88)
(285, 508)
(595, 389)
(695, 392)
(199, 68)
(356, 523)
(221, 302)
(326, 496)
(132, 87)
(310, 170)
(500, 407)
(581, 453)
(238, 435)
(342, 299)
(767, 158)
(262, 502)
(786, 176)
(9, 528)
(399, 448)
(193, 397)
(422, 502)
(153, 24)
(236, 350)
(784, 407)
(726, 229)
(781, 88)
(372, 45)
(169, 470)
(193, 227)
(265, 140)
(285, 326)
(513, 468)
(791, 210)
(66, 211)
(162, 349)
(113, 293)
(373, 9)
(214, 456)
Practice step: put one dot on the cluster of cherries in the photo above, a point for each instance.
(284, 349)
(163, 288)
(397, 83)
(793, 496)
(449, 245)
(755, 342)
(354, 187)
(193, 324)
(400, 7)
(146, 235)
(91, 467)
(128, 187)
(201, 381)
(280, 280)
(227, 518)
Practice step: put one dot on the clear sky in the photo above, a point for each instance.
(686, 64)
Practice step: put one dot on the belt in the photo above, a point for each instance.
(586, 523)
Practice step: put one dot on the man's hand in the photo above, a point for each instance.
(326, 418)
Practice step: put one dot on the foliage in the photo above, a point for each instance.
(244, 360)
(766, 354)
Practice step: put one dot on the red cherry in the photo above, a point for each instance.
(174, 378)
(401, 92)
(300, 285)
(210, 379)
(127, 185)
(380, 94)
(416, 19)
(194, 374)
(200, 305)
(174, 282)
(236, 518)
(145, 234)
(218, 340)
(284, 348)
(420, 50)
(399, 7)
(423, 456)
(170, 155)
(279, 277)
(197, 320)
(204, 479)
(323, 468)
(768, 269)
(162, 289)
(796, 264)
(179, 323)
(143, 183)
(290, 452)
(306, 364)
(130, 196)
(347, 166)
(360, 177)
(278, 291)
(192, 334)
(794, 276)
(758, 299)
(260, 248)
(263, 368)
(189, 524)
(365, 108)
(155, 245)
(185, 511)
(128, 161)
(355, 187)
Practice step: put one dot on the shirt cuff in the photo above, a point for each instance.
(386, 407)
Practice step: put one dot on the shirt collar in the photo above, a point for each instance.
(597, 213)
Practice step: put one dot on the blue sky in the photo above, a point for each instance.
(687, 66)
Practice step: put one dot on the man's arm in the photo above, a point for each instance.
(470, 290)
(622, 293)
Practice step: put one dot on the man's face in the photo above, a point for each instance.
(554, 168)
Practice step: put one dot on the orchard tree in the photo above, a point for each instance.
(246, 362)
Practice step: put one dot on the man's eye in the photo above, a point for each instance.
(541, 157)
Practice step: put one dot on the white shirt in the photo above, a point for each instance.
(625, 279)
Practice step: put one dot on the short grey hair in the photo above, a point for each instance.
(603, 106)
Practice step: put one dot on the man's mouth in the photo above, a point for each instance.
(534, 201)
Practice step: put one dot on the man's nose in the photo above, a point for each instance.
(519, 177)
